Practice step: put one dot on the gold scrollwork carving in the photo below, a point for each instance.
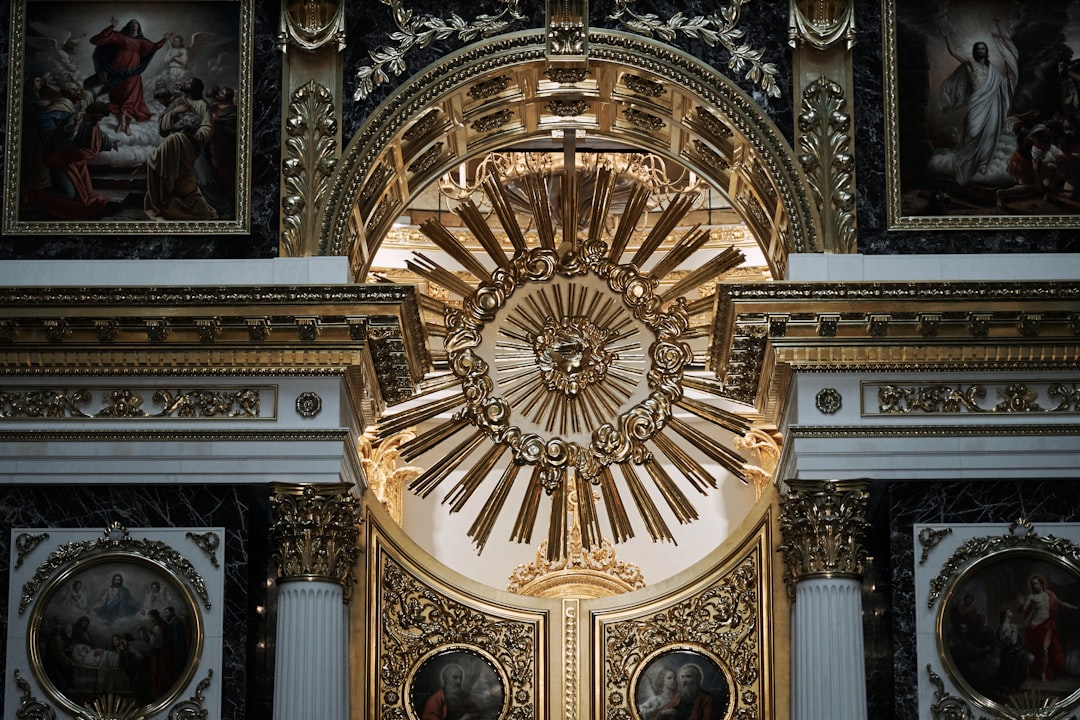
(416, 30)
(125, 403)
(947, 706)
(567, 34)
(208, 542)
(316, 528)
(715, 29)
(311, 156)
(826, 157)
(643, 120)
(417, 619)
(822, 23)
(312, 25)
(823, 523)
(426, 159)
(25, 543)
(643, 86)
(724, 619)
(930, 538)
(30, 708)
(948, 399)
(494, 121)
(578, 572)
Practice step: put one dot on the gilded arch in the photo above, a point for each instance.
(637, 91)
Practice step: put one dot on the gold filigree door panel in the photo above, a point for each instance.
(715, 637)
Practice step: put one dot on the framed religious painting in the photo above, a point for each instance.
(127, 625)
(128, 118)
(458, 681)
(681, 682)
(982, 113)
(1006, 613)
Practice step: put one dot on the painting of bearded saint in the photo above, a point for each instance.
(986, 126)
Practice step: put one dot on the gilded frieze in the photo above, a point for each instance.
(116, 403)
(970, 397)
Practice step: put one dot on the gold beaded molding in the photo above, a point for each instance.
(823, 523)
(316, 528)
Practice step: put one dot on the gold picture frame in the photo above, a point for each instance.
(91, 635)
(681, 681)
(458, 680)
(129, 119)
(1009, 622)
(1004, 157)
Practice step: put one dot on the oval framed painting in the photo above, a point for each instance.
(681, 683)
(1008, 630)
(115, 624)
(458, 681)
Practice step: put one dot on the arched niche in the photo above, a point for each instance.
(637, 92)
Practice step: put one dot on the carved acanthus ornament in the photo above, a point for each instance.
(311, 25)
(579, 572)
(316, 528)
(825, 154)
(385, 479)
(765, 444)
(418, 31)
(822, 23)
(310, 159)
(823, 524)
(567, 30)
(716, 29)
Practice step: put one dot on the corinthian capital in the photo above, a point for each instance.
(823, 523)
(316, 528)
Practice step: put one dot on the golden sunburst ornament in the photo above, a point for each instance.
(568, 360)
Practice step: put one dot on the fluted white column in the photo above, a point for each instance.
(311, 669)
(823, 523)
(316, 529)
(829, 676)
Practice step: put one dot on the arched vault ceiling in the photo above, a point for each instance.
(637, 94)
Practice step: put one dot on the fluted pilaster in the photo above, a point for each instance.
(316, 528)
(823, 523)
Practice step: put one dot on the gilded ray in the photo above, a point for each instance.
(728, 260)
(654, 521)
(445, 241)
(427, 481)
(481, 528)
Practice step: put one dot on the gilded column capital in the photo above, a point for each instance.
(316, 529)
(823, 523)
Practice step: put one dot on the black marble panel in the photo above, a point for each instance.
(892, 665)
(261, 242)
(246, 678)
